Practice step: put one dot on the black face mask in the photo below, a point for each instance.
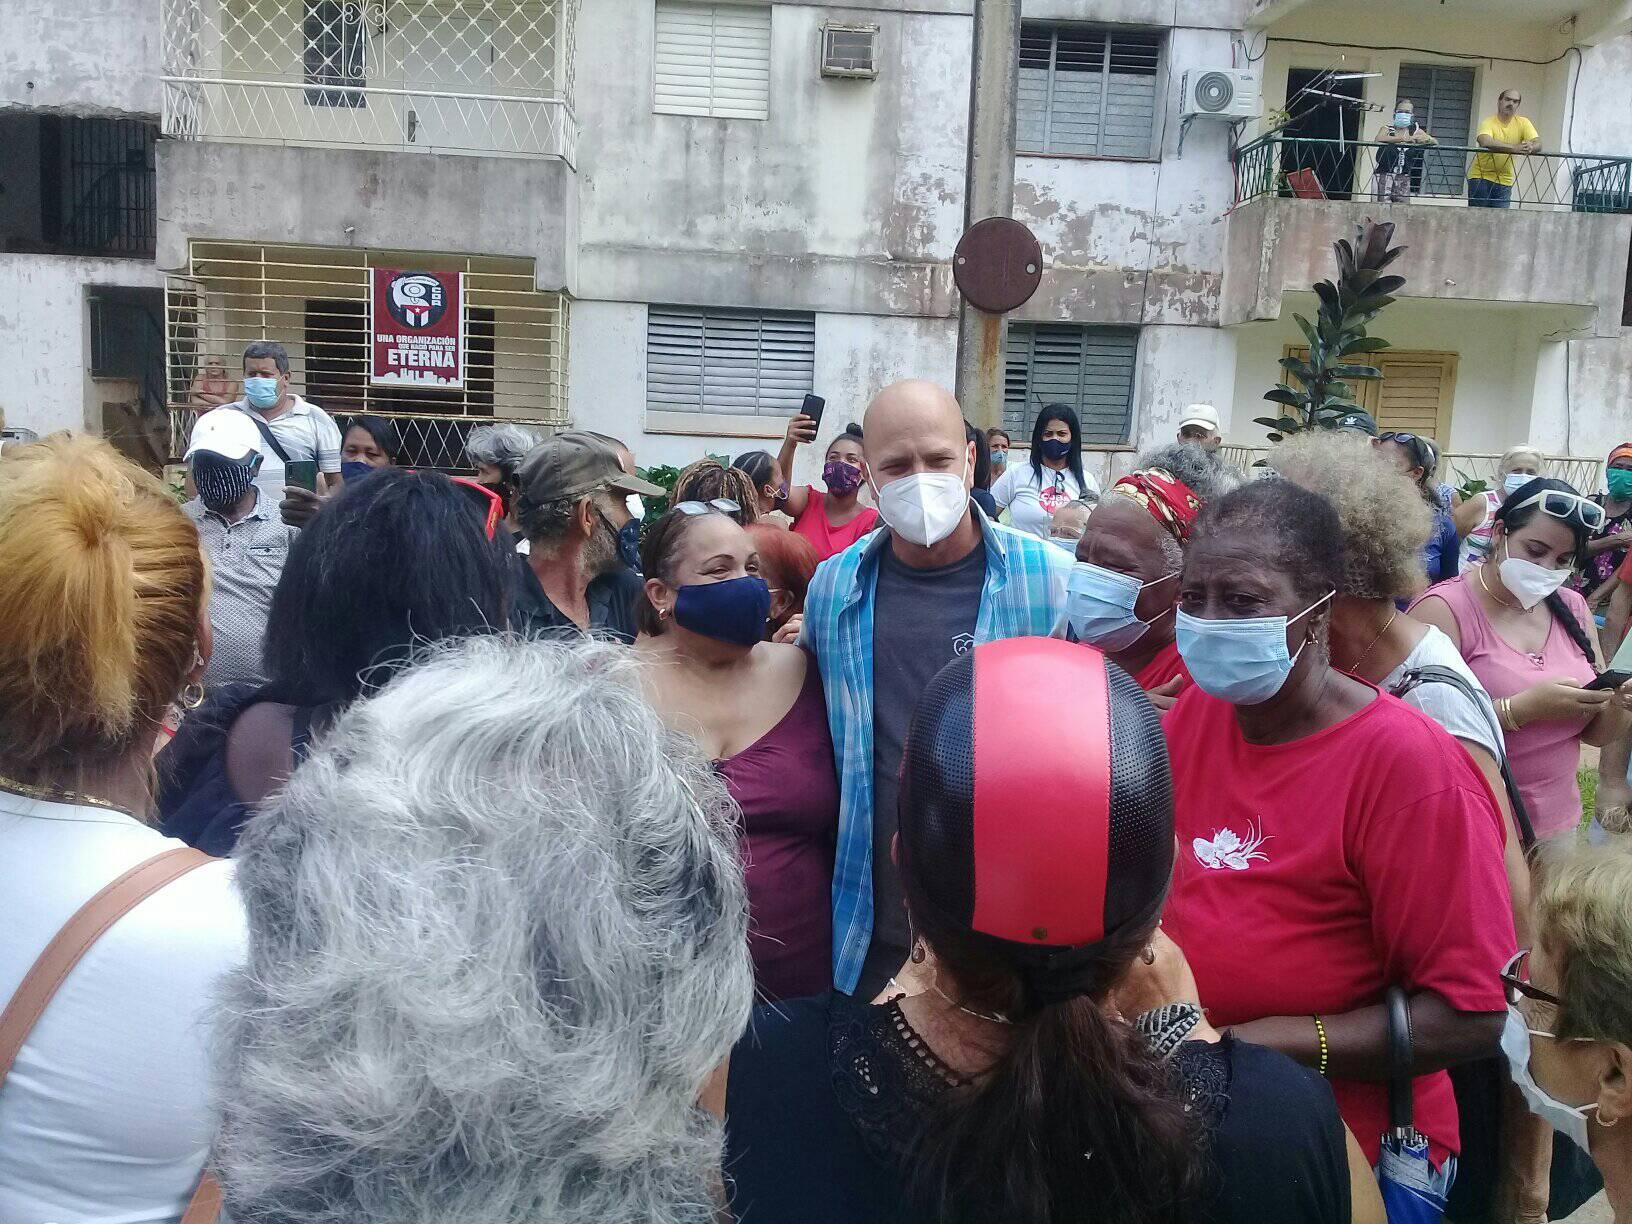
(629, 544)
(222, 482)
(501, 490)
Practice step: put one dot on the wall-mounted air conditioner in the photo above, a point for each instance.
(1219, 93)
(849, 50)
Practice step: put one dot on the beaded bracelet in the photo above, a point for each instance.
(1325, 1046)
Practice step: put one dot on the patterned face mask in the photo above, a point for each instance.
(222, 482)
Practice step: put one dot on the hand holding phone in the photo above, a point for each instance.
(302, 473)
(813, 408)
(1607, 680)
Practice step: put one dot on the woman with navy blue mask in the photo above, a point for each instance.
(757, 709)
(370, 443)
(1333, 841)
(1031, 492)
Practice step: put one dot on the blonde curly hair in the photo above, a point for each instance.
(1385, 521)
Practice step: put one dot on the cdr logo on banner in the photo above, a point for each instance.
(417, 329)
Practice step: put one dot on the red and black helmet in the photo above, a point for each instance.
(1036, 806)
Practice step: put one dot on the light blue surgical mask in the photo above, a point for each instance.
(1514, 481)
(260, 391)
(1566, 1119)
(1243, 662)
(1402, 119)
(1099, 606)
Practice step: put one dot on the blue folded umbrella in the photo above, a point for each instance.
(1414, 1192)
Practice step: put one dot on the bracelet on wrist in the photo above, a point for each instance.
(1325, 1046)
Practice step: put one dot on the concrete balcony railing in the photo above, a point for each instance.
(483, 77)
(1561, 242)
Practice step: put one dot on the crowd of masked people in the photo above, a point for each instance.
(955, 841)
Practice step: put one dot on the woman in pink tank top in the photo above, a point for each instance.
(1529, 641)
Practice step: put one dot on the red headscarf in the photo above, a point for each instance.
(1169, 499)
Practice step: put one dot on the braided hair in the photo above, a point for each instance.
(1514, 514)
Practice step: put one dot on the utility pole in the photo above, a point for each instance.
(994, 82)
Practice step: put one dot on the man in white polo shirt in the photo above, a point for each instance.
(293, 430)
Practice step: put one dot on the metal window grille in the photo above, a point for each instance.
(729, 361)
(1089, 368)
(450, 76)
(313, 300)
(713, 59)
(849, 50)
(336, 53)
(1087, 91)
(1443, 98)
(97, 184)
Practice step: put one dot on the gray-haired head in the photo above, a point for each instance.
(501, 446)
(268, 348)
(498, 940)
(1207, 476)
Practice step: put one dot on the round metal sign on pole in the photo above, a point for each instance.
(998, 265)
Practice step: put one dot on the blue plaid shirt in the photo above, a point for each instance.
(1023, 596)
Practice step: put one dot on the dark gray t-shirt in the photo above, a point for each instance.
(922, 618)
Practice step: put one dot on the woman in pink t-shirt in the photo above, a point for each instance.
(835, 519)
(1528, 639)
(1333, 841)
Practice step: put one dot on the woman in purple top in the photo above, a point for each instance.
(1528, 640)
(757, 709)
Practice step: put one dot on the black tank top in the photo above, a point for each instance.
(826, 1095)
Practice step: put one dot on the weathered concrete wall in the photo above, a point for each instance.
(1497, 348)
(1135, 241)
(848, 198)
(80, 55)
(855, 356)
(368, 198)
(43, 384)
(1455, 254)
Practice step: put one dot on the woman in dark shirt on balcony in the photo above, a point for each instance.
(1396, 164)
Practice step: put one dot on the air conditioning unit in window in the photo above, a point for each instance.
(1219, 93)
(849, 50)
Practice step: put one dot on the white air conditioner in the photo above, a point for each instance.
(849, 50)
(1219, 93)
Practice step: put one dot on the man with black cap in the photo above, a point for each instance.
(571, 505)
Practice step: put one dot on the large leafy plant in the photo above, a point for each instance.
(1338, 335)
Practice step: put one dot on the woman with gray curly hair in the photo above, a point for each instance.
(496, 451)
(498, 941)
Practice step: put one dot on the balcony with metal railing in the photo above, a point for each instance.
(490, 77)
(1541, 229)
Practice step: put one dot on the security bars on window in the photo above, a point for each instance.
(447, 76)
(314, 301)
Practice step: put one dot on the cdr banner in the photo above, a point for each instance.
(416, 327)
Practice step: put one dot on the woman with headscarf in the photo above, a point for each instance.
(1057, 1058)
(1124, 586)
(1476, 517)
(1607, 549)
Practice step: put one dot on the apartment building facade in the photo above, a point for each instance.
(669, 219)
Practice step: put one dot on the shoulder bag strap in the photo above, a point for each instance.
(89, 923)
(1434, 674)
(270, 438)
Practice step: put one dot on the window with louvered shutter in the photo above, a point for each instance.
(1089, 368)
(740, 362)
(1087, 91)
(1443, 98)
(1414, 394)
(713, 59)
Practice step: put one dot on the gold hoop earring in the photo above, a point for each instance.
(192, 696)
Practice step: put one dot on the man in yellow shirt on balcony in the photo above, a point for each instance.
(1490, 180)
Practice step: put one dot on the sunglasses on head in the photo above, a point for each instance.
(720, 505)
(1561, 504)
(1421, 449)
(488, 502)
